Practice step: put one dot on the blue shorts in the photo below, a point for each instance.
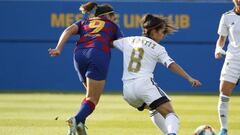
(92, 63)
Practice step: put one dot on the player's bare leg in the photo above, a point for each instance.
(94, 90)
(225, 90)
(171, 119)
(72, 121)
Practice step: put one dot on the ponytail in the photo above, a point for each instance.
(88, 7)
(97, 10)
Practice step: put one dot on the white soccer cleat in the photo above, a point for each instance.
(81, 129)
(72, 126)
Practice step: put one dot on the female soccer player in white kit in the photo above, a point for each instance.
(230, 74)
(141, 54)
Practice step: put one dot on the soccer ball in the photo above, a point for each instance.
(204, 130)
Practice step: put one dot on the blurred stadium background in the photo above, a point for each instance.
(28, 28)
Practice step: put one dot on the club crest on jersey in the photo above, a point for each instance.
(232, 24)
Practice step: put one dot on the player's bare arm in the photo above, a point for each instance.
(178, 69)
(69, 31)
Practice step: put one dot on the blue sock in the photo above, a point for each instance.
(86, 109)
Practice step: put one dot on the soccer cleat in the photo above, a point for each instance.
(81, 129)
(72, 126)
(223, 131)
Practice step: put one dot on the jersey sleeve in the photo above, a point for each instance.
(119, 44)
(163, 57)
(78, 23)
(222, 28)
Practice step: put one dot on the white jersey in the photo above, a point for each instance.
(230, 26)
(140, 56)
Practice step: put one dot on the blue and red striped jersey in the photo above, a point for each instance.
(97, 32)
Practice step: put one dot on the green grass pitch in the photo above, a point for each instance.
(34, 114)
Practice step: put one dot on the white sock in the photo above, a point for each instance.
(158, 120)
(223, 110)
(172, 123)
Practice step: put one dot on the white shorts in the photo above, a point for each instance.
(231, 70)
(143, 91)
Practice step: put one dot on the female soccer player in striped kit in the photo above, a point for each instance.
(140, 56)
(229, 27)
(91, 57)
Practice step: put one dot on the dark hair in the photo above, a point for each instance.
(151, 22)
(99, 9)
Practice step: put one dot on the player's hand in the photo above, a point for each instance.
(54, 52)
(218, 55)
(194, 82)
(219, 52)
